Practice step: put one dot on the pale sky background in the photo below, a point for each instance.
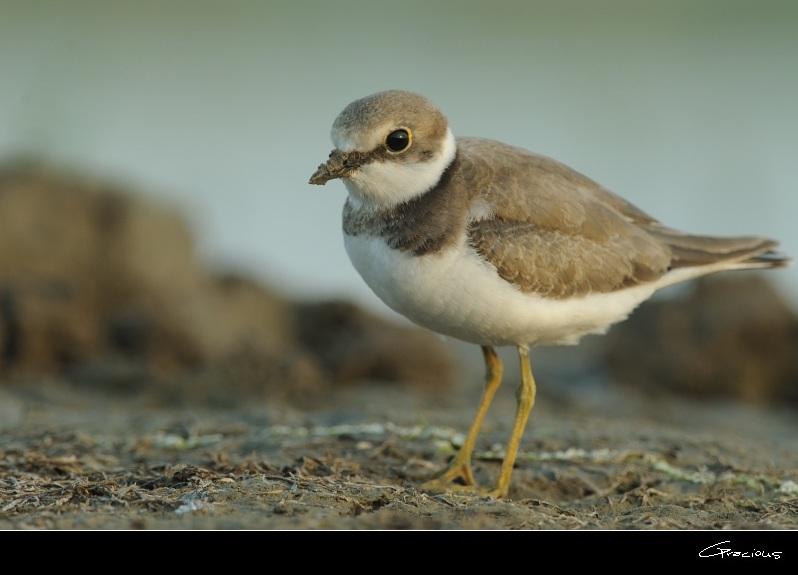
(222, 109)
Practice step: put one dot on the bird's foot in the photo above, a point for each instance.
(459, 478)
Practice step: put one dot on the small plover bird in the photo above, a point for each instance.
(495, 245)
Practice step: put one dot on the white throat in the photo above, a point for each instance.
(386, 184)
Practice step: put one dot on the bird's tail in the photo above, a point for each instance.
(739, 252)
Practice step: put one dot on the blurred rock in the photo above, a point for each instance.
(352, 345)
(729, 335)
(104, 288)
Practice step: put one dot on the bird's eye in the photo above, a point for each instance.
(398, 140)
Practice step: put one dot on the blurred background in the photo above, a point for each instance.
(223, 109)
(220, 112)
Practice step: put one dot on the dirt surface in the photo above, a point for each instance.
(599, 458)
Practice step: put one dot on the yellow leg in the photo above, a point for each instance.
(526, 401)
(460, 468)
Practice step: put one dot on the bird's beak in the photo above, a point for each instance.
(340, 165)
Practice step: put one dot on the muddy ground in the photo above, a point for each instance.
(592, 458)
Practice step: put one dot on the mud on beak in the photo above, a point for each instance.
(340, 165)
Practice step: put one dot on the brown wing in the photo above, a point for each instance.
(555, 232)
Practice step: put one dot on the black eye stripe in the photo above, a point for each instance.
(398, 140)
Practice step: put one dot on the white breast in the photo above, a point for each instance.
(456, 293)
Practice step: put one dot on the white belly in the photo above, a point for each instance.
(456, 293)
